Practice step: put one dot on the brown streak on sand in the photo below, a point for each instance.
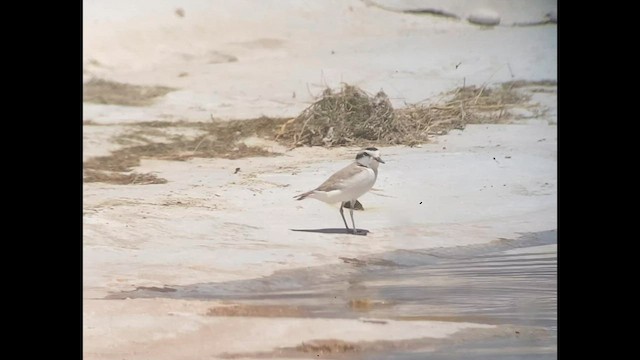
(364, 305)
(121, 179)
(114, 93)
(450, 318)
(339, 349)
(257, 310)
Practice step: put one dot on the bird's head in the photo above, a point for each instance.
(369, 157)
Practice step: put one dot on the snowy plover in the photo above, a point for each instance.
(348, 184)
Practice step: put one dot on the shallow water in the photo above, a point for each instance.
(504, 282)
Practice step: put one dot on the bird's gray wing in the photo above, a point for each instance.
(352, 173)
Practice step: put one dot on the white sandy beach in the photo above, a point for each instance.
(208, 224)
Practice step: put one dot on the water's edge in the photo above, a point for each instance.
(505, 282)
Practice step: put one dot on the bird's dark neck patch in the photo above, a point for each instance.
(371, 149)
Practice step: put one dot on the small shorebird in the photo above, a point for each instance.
(348, 184)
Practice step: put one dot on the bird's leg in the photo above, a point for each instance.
(342, 213)
(352, 205)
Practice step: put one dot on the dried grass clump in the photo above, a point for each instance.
(349, 117)
(352, 117)
(479, 103)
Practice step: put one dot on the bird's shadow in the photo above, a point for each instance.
(361, 232)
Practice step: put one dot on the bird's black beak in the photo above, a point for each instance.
(378, 159)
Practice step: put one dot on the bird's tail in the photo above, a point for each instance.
(303, 196)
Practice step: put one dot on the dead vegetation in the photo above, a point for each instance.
(526, 83)
(343, 118)
(122, 179)
(351, 117)
(218, 140)
(348, 117)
